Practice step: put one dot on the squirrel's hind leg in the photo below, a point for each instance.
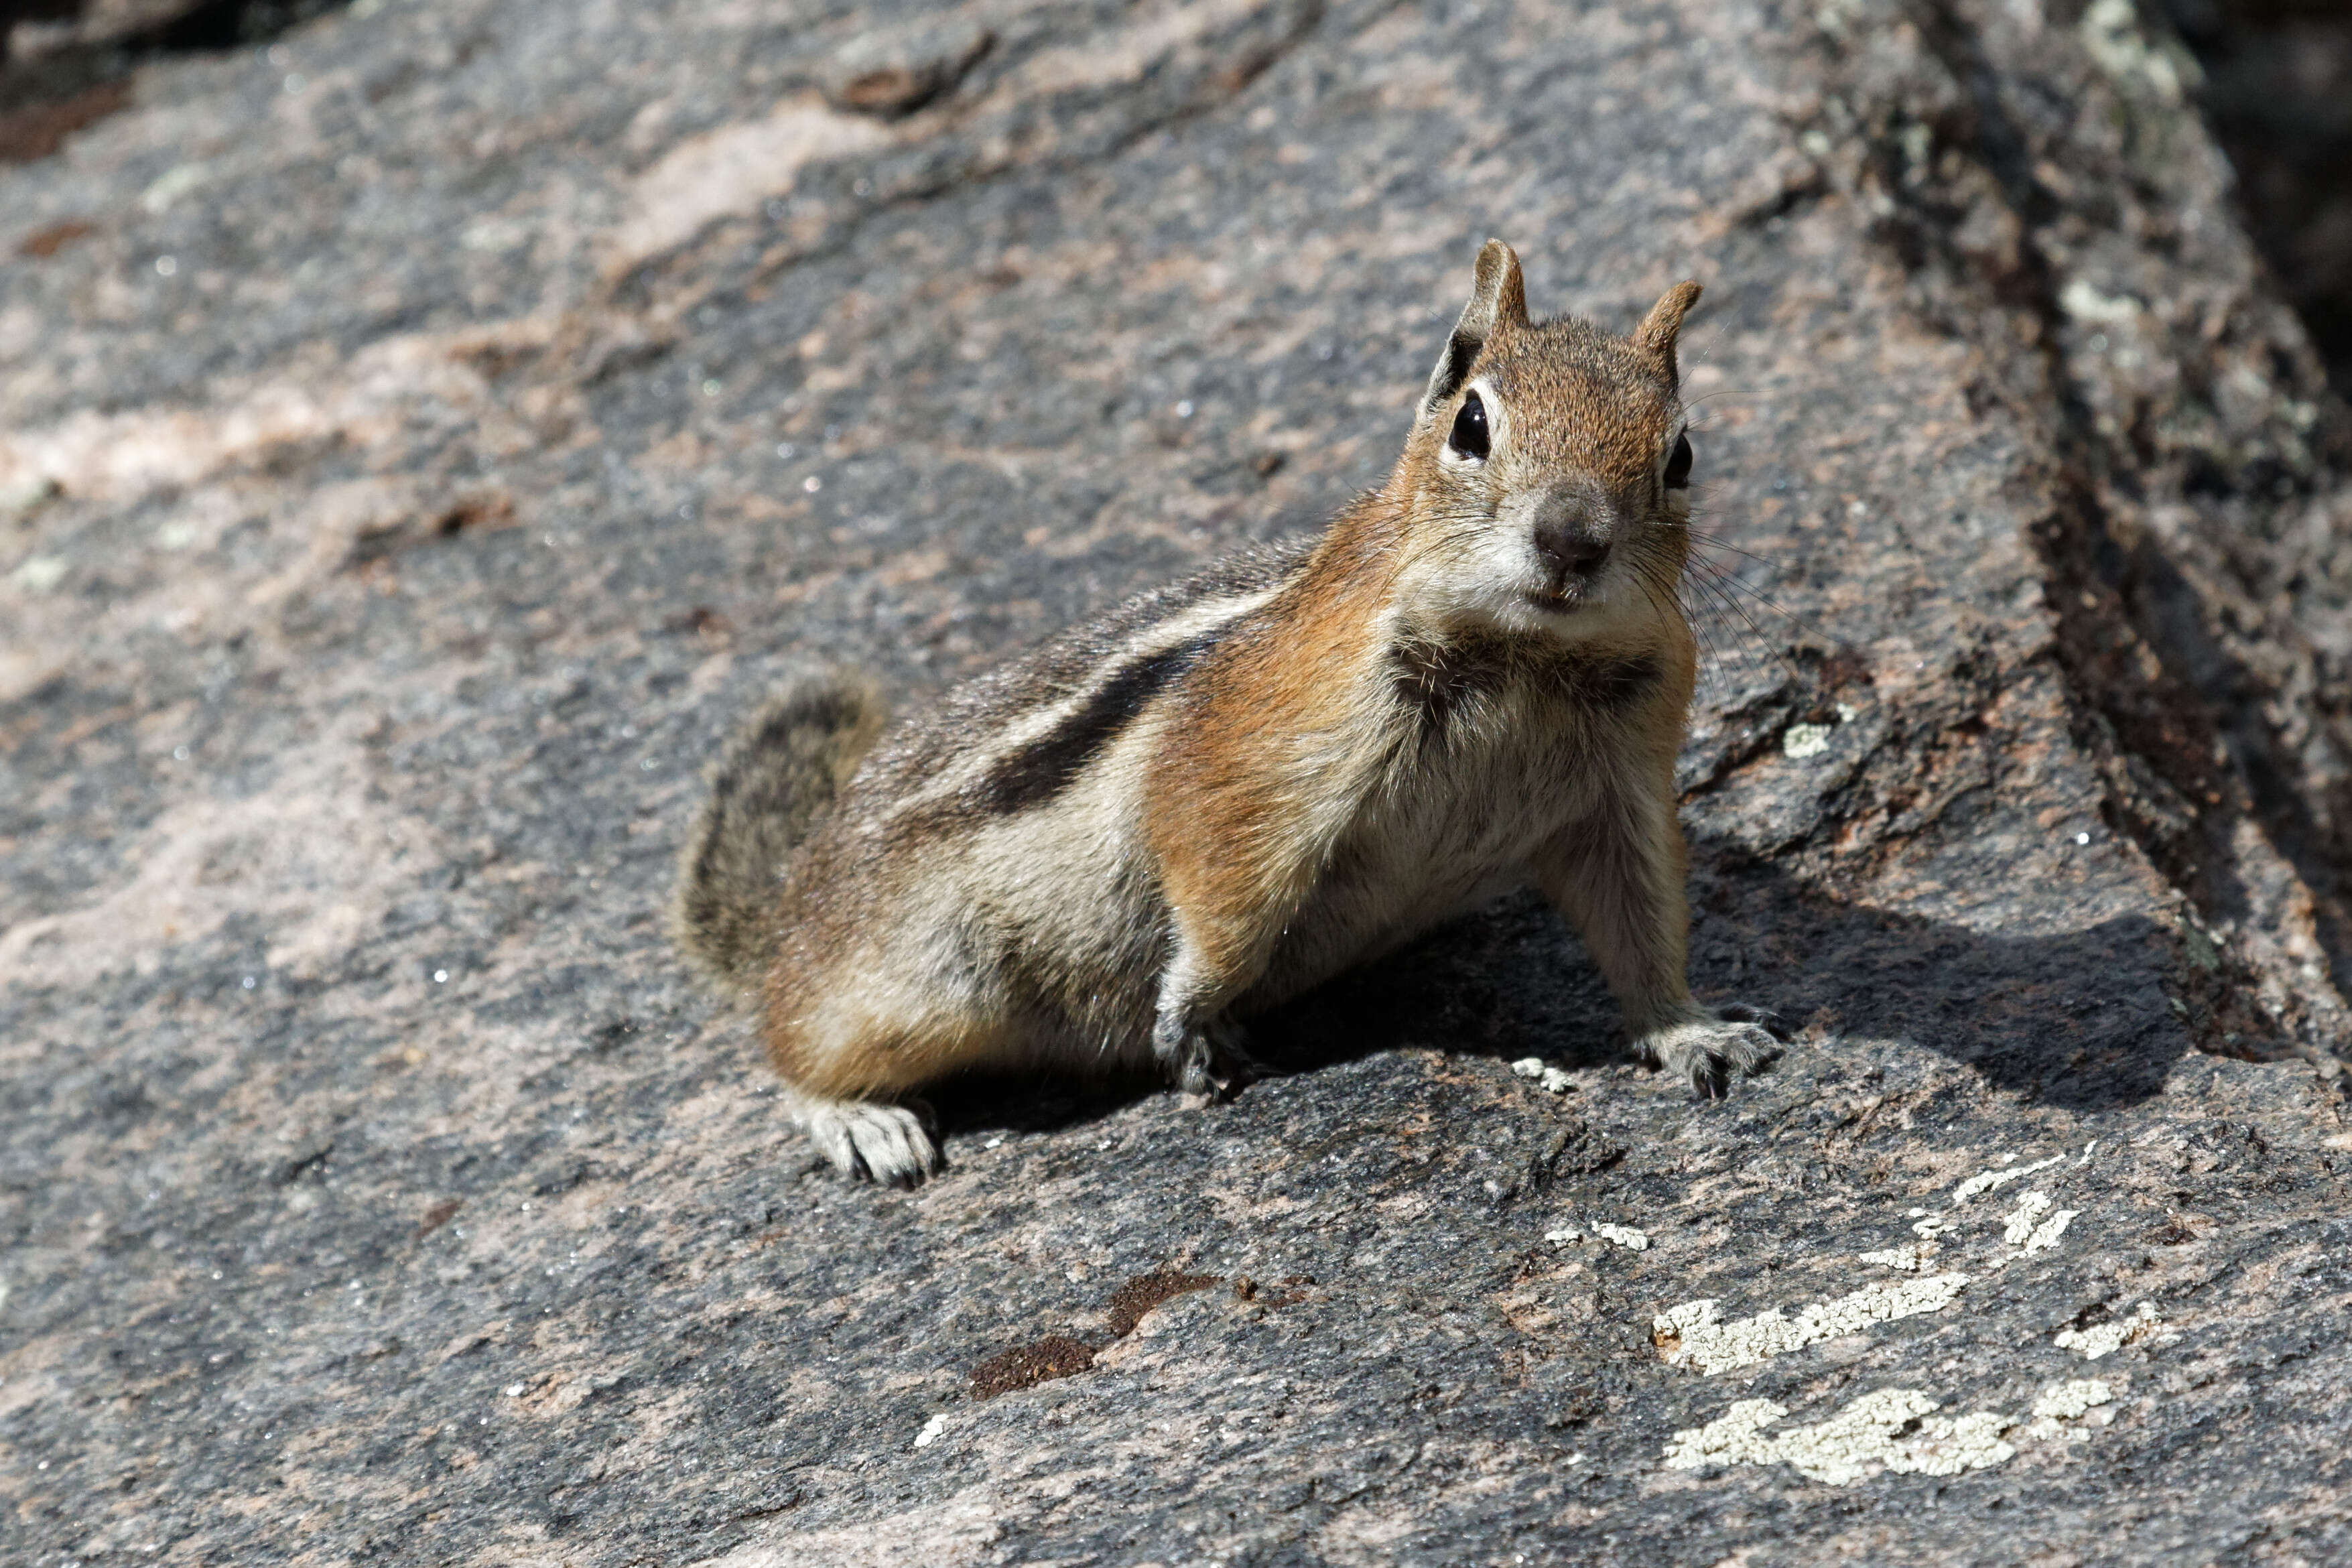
(854, 1049)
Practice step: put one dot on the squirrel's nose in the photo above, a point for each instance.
(1571, 547)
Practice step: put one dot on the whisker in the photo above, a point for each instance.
(1706, 618)
(1712, 664)
(1735, 581)
(1690, 403)
(1715, 667)
(1708, 353)
(1712, 582)
(1753, 633)
(1718, 610)
(1772, 389)
(1712, 542)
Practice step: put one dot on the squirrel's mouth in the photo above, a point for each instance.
(1564, 601)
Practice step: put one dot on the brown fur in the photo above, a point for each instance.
(1116, 847)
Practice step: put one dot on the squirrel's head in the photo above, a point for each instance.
(1548, 476)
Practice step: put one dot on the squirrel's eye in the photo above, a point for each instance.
(1469, 437)
(1678, 466)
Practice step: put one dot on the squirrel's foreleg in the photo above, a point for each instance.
(1199, 1047)
(1617, 876)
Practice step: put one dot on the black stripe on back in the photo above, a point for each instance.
(1043, 768)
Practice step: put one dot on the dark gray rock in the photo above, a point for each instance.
(422, 439)
(2276, 89)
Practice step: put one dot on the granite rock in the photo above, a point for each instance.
(421, 440)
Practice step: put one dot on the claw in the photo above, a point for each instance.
(1231, 1067)
(1771, 1022)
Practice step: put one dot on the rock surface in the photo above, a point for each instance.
(421, 440)
(2277, 92)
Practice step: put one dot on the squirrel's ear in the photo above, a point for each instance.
(1498, 298)
(1655, 336)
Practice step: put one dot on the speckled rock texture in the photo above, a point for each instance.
(421, 437)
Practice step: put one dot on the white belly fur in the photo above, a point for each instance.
(1463, 836)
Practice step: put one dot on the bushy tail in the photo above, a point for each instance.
(778, 775)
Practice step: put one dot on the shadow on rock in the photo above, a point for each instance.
(2078, 1019)
(2075, 1018)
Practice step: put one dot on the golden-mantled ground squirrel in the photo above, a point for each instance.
(1217, 795)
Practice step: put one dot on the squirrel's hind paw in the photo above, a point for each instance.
(885, 1143)
(1708, 1053)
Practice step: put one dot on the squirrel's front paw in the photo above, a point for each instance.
(1209, 1062)
(1711, 1050)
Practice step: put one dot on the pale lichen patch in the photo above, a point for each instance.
(1551, 1079)
(1986, 1180)
(2024, 1226)
(2106, 1339)
(1909, 1259)
(1615, 1235)
(1892, 1429)
(2019, 1223)
(1802, 740)
(1734, 1437)
(2045, 1234)
(1692, 1333)
(2065, 1401)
